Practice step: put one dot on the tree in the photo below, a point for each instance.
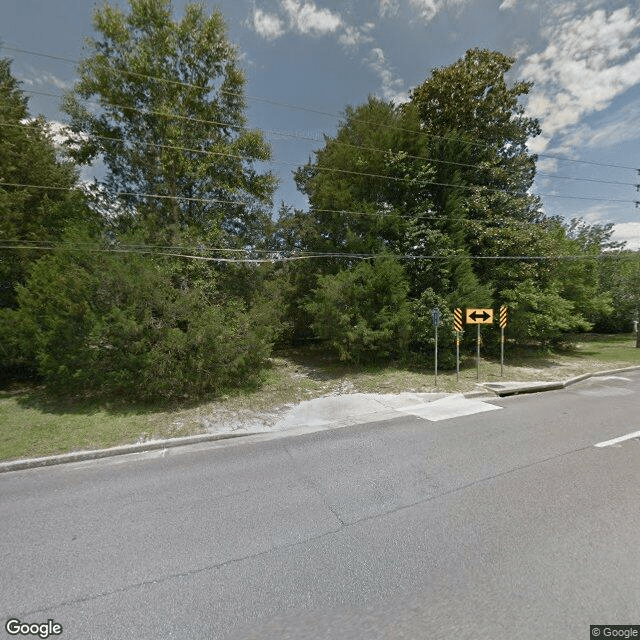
(479, 134)
(619, 277)
(123, 325)
(352, 187)
(98, 315)
(363, 313)
(171, 123)
(30, 214)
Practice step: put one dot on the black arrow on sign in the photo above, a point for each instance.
(475, 315)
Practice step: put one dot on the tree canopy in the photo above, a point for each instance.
(443, 182)
(37, 188)
(171, 126)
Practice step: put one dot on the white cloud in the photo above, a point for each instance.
(267, 25)
(388, 8)
(588, 62)
(507, 4)
(301, 17)
(628, 232)
(428, 9)
(352, 37)
(547, 165)
(307, 18)
(58, 132)
(35, 77)
(392, 86)
(623, 127)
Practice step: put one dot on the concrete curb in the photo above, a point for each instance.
(95, 454)
(79, 456)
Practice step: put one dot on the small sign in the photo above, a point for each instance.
(457, 319)
(479, 316)
(435, 313)
(503, 317)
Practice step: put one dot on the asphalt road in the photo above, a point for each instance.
(505, 524)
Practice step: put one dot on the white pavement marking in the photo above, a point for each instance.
(450, 407)
(608, 443)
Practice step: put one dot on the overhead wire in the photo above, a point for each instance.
(353, 146)
(373, 175)
(277, 256)
(335, 170)
(304, 108)
(298, 136)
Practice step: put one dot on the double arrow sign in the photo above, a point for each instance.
(478, 316)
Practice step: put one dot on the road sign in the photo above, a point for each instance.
(479, 316)
(457, 319)
(503, 317)
(435, 313)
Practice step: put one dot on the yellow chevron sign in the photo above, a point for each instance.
(503, 317)
(457, 319)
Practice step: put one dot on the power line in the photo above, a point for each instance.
(373, 175)
(131, 194)
(364, 174)
(309, 109)
(320, 168)
(277, 256)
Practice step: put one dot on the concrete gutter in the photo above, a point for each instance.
(503, 389)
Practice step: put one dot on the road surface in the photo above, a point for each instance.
(509, 523)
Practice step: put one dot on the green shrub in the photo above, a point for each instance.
(130, 325)
(363, 314)
(537, 316)
(423, 336)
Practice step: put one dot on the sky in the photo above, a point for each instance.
(583, 57)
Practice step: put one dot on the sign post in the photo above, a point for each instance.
(503, 324)
(457, 325)
(436, 321)
(479, 316)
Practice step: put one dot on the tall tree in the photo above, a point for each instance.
(492, 173)
(171, 122)
(445, 180)
(37, 196)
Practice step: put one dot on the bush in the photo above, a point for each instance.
(130, 325)
(422, 345)
(363, 314)
(537, 316)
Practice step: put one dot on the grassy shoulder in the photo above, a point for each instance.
(33, 424)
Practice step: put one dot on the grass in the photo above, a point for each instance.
(34, 424)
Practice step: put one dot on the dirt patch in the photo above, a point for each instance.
(294, 378)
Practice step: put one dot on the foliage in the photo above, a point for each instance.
(619, 278)
(363, 313)
(171, 123)
(445, 181)
(422, 346)
(539, 315)
(130, 325)
(31, 215)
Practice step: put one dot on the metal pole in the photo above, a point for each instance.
(436, 356)
(478, 356)
(501, 350)
(457, 356)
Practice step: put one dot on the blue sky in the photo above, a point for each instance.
(582, 55)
